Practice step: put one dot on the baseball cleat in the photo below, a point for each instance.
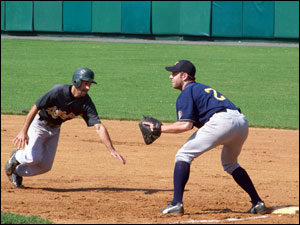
(11, 164)
(175, 209)
(259, 208)
(16, 180)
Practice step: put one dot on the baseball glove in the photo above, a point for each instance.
(148, 135)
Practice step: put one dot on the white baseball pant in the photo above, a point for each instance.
(229, 129)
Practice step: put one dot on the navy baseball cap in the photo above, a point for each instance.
(183, 66)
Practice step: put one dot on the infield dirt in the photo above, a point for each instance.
(87, 185)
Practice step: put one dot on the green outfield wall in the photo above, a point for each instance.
(227, 19)
(286, 21)
(136, 17)
(106, 17)
(18, 15)
(258, 19)
(181, 18)
(2, 14)
(53, 11)
(77, 16)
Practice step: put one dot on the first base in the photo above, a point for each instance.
(285, 210)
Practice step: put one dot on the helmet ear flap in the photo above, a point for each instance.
(76, 82)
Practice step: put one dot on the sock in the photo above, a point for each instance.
(180, 178)
(242, 178)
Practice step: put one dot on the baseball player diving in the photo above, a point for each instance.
(219, 121)
(37, 141)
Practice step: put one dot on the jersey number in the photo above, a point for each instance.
(221, 98)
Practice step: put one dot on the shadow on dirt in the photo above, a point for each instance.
(215, 211)
(147, 191)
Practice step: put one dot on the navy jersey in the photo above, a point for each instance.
(198, 102)
(59, 105)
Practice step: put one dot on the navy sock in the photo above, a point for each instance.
(242, 178)
(181, 176)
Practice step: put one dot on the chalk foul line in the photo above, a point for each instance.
(228, 219)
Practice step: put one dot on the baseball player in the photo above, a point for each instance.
(41, 129)
(219, 121)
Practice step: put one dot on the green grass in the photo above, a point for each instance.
(11, 218)
(132, 81)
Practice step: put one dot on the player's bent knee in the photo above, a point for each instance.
(45, 168)
(229, 167)
(184, 158)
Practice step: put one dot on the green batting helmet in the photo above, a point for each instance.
(82, 73)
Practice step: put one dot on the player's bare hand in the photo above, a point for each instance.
(118, 155)
(149, 124)
(21, 140)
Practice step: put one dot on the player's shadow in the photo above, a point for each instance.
(147, 191)
(215, 211)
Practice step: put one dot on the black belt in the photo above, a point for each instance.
(48, 123)
(222, 110)
(225, 110)
(52, 125)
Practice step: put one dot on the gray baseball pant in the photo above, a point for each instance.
(38, 155)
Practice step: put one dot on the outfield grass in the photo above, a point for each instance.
(11, 218)
(132, 81)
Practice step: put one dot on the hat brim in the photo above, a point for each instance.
(90, 80)
(171, 69)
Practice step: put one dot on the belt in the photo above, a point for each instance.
(222, 110)
(52, 125)
(48, 123)
(226, 110)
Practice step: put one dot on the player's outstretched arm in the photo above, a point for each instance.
(104, 137)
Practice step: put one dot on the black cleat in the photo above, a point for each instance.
(11, 164)
(174, 209)
(258, 208)
(16, 180)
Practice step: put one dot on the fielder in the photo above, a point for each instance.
(41, 129)
(219, 121)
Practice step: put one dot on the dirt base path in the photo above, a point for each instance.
(88, 185)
